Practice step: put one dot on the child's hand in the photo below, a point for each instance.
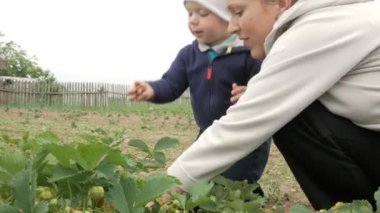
(140, 91)
(236, 92)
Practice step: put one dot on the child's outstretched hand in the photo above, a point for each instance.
(236, 92)
(140, 91)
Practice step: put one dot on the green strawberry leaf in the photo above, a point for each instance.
(165, 143)
(377, 198)
(141, 145)
(61, 152)
(154, 186)
(201, 188)
(24, 186)
(11, 163)
(9, 209)
(91, 155)
(160, 158)
(121, 195)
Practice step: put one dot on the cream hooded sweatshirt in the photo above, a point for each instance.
(330, 50)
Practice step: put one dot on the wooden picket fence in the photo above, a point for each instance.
(27, 92)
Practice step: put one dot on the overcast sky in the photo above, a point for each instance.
(113, 41)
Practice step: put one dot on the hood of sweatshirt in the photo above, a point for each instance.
(300, 8)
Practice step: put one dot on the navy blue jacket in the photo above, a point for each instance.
(210, 91)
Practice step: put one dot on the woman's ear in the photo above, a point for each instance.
(283, 5)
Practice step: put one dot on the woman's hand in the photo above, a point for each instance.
(166, 198)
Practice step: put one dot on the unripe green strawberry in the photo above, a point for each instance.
(53, 203)
(176, 203)
(96, 192)
(45, 195)
(119, 169)
(234, 195)
(337, 206)
(42, 188)
(164, 208)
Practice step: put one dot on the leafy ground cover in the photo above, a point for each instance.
(146, 122)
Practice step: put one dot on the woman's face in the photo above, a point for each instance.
(253, 20)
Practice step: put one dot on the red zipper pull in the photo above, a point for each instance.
(209, 73)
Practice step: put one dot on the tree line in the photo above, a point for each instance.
(15, 62)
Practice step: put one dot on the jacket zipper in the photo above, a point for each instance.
(209, 79)
(209, 71)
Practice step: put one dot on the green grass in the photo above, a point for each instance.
(133, 107)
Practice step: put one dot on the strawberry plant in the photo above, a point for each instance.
(154, 157)
(219, 195)
(42, 175)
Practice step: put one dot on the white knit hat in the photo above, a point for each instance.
(218, 7)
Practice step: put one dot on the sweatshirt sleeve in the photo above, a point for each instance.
(173, 82)
(304, 63)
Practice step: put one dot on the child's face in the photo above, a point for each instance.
(207, 27)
